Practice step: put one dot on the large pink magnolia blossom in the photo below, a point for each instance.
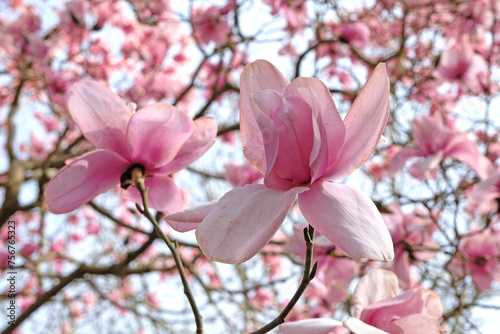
(159, 139)
(434, 142)
(293, 134)
(379, 310)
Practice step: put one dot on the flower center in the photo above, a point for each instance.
(131, 174)
(480, 261)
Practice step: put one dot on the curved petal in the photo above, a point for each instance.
(349, 219)
(318, 96)
(189, 219)
(365, 122)
(156, 133)
(163, 194)
(101, 115)
(427, 168)
(295, 128)
(270, 136)
(205, 131)
(358, 326)
(83, 179)
(310, 326)
(467, 152)
(399, 160)
(243, 222)
(377, 284)
(256, 76)
(416, 324)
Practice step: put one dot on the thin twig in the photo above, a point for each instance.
(139, 183)
(306, 278)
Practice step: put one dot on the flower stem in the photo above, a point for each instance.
(306, 278)
(139, 183)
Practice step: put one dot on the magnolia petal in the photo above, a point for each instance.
(399, 160)
(270, 136)
(163, 194)
(189, 219)
(358, 326)
(256, 76)
(101, 115)
(318, 96)
(310, 326)
(467, 152)
(429, 133)
(365, 122)
(427, 168)
(318, 159)
(294, 125)
(156, 133)
(83, 179)
(416, 324)
(349, 219)
(377, 284)
(205, 131)
(243, 222)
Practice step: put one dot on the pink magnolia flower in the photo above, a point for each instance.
(293, 134)
(239, 175)
(412, 238)
(484, 195)
(379, 310)
(332, 280)
(210, 25)
(460, 62)
(159, 139)
(434, 141)
(376, 304)
(356, 33)
(480, 257)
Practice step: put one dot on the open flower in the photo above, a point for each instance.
(479, 256)
(434, 142)
(292, 133)
(379, 310)
(158, 140)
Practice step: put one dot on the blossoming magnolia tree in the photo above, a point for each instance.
(250, 166)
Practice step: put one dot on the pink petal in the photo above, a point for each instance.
(383, 313)
(243, 222)
(467, 152)
(349, 219)
(429, 133)
(310, 326)
(270, 135)
(101, 115)
(377, 284)
(189, 219)
(365, 122)
(358, 326)
(416, 324)
(427, 168)
(399, 160)
(163, 194)
(205, 131)
(294, 124)
(83, 179)
(256, 76)
(318, 96)
(156, 133)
